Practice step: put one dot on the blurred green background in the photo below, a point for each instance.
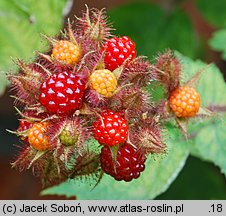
(195, 28)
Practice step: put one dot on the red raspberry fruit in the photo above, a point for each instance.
(185, 101)
(110, 129)
(62, 93)
(117, 50)
(128, 165)
(24, 125)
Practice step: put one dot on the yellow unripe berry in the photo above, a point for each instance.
(37, 138)
(104, 82)
(66, 51)
(185, 101)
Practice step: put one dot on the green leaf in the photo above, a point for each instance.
(158, 175)
(209, 142)
(213, 11)
(21, 23)
(217, 42)
(201, 175)
(153, 30)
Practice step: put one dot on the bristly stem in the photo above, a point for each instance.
(217, 108)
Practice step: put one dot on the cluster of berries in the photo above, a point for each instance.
(92, 86)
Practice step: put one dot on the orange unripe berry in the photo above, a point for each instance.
(37, 138)
(66, 52)
(185, 101)
(104, 82)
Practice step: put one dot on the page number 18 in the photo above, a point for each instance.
(216, 207)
